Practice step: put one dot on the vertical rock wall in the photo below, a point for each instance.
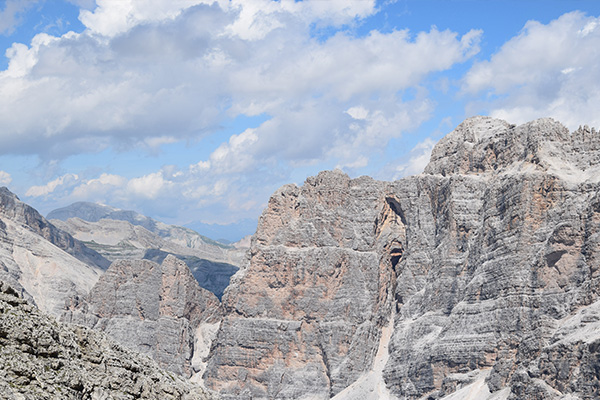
(305, 317)
(151, 308)
(483, 259)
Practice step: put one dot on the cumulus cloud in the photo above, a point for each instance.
(143, 77)
(44, 190)
(411, 164)
(5, 178)
(547, 70)
(211, 197)
(148, 186)
(97, 187)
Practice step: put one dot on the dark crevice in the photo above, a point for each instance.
(396, 208)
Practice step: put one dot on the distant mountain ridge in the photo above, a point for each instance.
(119, 234)
(94, 212)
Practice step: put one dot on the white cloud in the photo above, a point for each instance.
(144, 76)
(546, 71)
(45, 190)
(11, 14)
(5, 178)
(113, 17)
(358, 112)
(148, 186)
(412, 164)
(98, 187)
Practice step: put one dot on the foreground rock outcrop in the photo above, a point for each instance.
(156, 309)
(42, 359)
(487, 267)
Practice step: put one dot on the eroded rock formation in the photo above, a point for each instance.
(487, 263)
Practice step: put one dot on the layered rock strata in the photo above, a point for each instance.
(487, 263)
(42, 359)
(305, 318)
(155, 309)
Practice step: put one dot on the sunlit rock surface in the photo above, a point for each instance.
(44, 263)
(487, 264)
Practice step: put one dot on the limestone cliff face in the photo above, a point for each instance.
(487, 264)
(151, 308)
(42, 359)
(306, 316)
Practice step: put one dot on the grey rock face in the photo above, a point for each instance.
(485, 263)
(151, 308)
(511, 242)
(42, 359)
(306, 316)
(212, 276)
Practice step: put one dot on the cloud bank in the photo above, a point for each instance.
(546, 70)
(324, 96)
(141, 77)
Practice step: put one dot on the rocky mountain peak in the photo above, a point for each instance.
(12, 207)
(468, 281)
(481, 145)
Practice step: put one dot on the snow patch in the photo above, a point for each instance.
(371, 386)
(203, 338)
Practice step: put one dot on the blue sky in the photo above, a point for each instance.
(195, 111)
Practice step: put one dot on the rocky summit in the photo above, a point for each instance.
(476, 279)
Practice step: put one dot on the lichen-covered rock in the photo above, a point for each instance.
(481, 262)
(151, 308)
(42, 359)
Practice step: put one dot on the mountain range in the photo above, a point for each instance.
(477, 279)
(120, 234)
